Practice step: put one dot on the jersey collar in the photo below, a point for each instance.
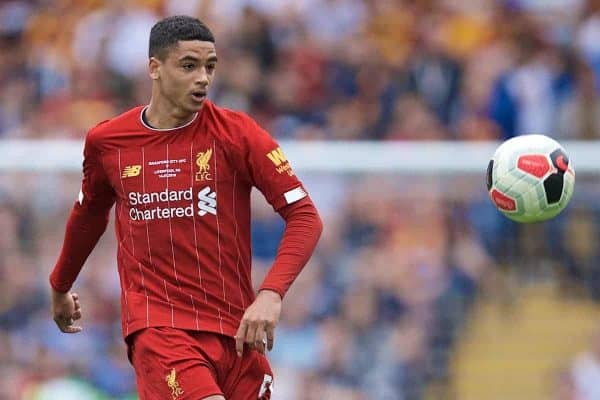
(145, 125)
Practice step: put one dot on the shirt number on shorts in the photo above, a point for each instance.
(266, 387)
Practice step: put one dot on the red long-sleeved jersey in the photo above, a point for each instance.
(183, 217)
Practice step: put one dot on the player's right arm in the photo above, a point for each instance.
(86, 224)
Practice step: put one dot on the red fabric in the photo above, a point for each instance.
(183, 217)
(302, 231)
(82, 233)
(173, 363)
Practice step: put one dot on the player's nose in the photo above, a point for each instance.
(202, 77)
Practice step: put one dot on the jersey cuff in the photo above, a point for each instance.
(280, 292)
(58, 288)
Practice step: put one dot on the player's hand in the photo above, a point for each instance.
(259, 321)
(66, 310)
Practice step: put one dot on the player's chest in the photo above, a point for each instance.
(176, 166)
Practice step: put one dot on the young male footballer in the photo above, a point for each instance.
(180, 171)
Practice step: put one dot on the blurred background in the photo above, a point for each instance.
(419, 289)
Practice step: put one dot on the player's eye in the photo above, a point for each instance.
(188, 66)
(210, 67)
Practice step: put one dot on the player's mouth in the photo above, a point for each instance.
(198, 96)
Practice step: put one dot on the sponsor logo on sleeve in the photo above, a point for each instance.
(280, 161)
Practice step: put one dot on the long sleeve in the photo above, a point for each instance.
(270, 171)
(87, 221)
(82, 233)
(302, 231)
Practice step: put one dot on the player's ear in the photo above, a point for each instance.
(154, 68)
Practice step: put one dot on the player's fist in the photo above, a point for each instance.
(257, 327)
(66, 310)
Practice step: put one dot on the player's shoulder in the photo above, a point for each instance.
(237, 123)
(124, 122)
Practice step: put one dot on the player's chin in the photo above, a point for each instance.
(194, 108)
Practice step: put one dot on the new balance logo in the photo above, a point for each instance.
(131, 170)
(207, 202)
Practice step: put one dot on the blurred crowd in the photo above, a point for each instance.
(377, 311)
(317, 69)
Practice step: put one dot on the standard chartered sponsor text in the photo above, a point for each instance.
(143, 213)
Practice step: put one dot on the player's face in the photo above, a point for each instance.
(186, 73)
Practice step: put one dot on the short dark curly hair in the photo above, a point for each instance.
(168, 31)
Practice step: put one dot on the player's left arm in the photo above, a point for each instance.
(271, 173)
(302, 231)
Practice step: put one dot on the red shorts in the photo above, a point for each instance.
(174, 364)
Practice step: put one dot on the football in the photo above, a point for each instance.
(530, 178)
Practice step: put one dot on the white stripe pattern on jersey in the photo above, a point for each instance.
(147, 234)
(170, 225)
(171, 304)
(219, 236)
(120, 251)
(195, 312)
(237, 244)
(195, 233)
(172, 248)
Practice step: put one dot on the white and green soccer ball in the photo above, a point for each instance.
(530, 178)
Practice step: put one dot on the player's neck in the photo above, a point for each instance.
(161, 116)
